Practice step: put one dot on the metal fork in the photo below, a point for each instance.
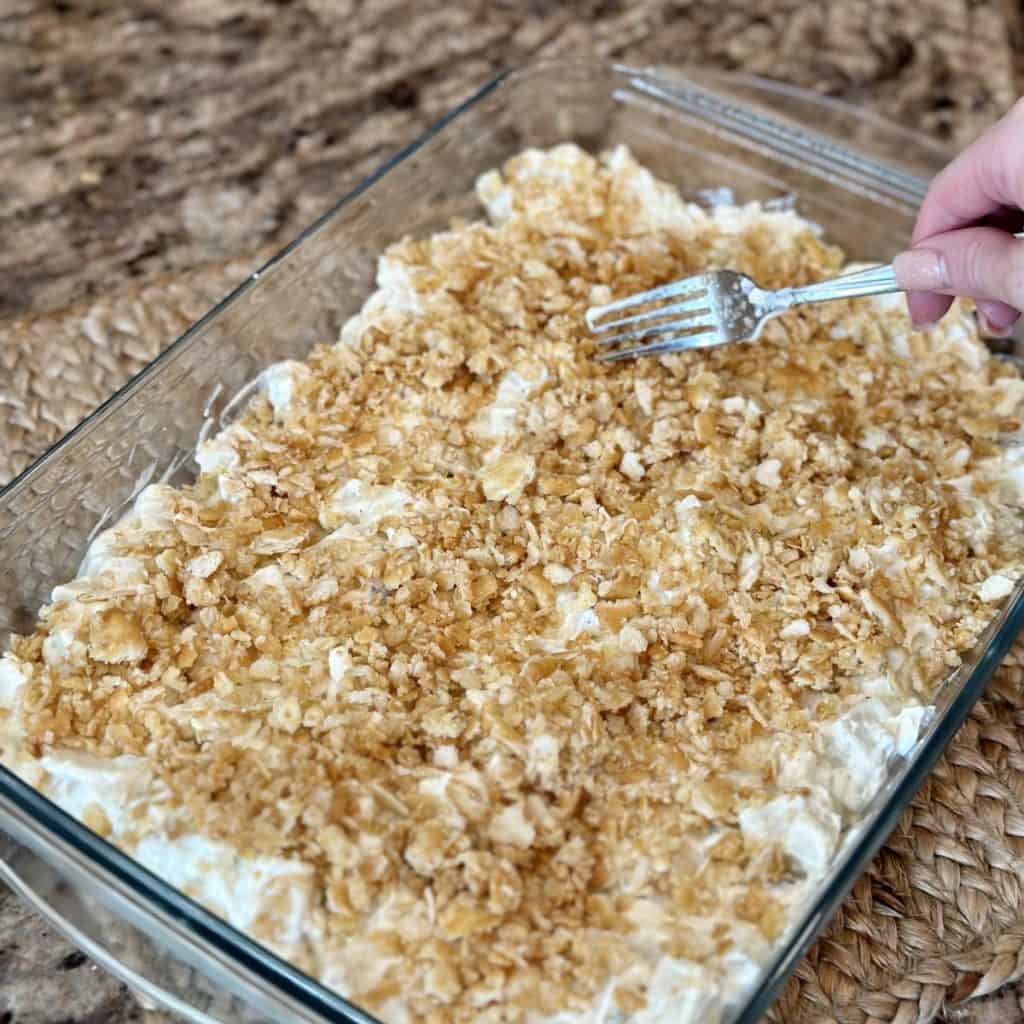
(715, 308)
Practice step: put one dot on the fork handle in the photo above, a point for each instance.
(875, 281)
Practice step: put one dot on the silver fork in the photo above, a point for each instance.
(715, 308)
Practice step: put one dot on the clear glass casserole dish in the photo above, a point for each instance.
(860, 178)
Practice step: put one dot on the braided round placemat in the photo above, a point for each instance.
(937, 922)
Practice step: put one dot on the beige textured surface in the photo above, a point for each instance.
(143, 139)
(54, 370)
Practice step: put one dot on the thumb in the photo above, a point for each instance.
(984, 264)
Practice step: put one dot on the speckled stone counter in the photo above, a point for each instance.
(149, 136)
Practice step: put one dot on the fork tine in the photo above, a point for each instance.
(697, 283)
(690, 306)
(706, 339)
(653, 332)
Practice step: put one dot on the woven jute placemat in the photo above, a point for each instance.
(938, 921)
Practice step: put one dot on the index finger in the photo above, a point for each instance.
(984, 179)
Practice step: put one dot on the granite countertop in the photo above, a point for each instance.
(149, 137)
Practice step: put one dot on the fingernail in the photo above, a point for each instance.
(920, 270)
(922, 324)
(993, 329)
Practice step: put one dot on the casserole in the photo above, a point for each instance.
(699, 132)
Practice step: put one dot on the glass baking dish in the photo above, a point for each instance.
(860, 178)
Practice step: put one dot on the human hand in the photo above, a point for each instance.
(963, 242)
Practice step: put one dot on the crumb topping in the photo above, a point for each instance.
(497, 639)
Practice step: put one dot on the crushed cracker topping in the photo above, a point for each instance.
(495, 638)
